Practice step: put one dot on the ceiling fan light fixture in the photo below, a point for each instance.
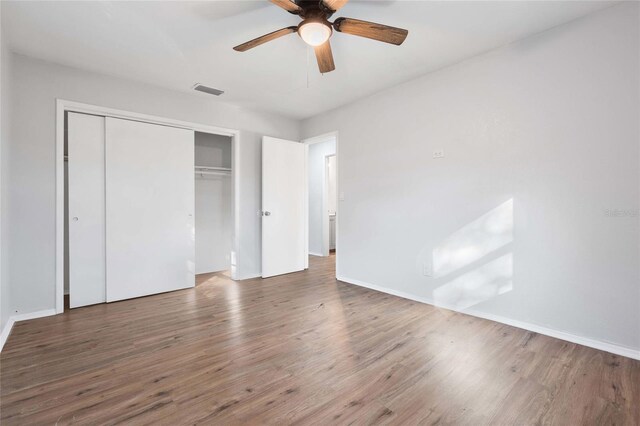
(314, 33)
(316, 30)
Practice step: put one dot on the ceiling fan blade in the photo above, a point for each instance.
(371, 30)
(325, 57)
(265, 38)
(287, 5)
(334, 5)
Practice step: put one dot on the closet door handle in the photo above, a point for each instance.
(266, 213)
(75, 218)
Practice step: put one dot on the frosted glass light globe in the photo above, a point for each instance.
(314, 33)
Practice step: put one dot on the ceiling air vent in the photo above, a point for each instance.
(210, 90)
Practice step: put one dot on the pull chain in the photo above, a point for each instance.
(308, 67)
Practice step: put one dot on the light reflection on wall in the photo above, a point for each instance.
(233, 271)
(475, 263)
(480, 284)
(475, 240)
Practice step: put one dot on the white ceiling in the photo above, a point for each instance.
(175, 44)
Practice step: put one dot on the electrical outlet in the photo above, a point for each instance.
(438, 153)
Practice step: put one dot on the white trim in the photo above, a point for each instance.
(306, 206)
(6, 331)
(235, 193)
(33, 315)
(153, 119)
(63, 105)
(248, 277)
(60, 108)
(325, 137)
(562, 335)
(338, 202)
(313, 253)
(326, 221)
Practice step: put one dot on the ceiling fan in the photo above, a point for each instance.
(315, 28)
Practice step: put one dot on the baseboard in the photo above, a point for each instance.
(6, 331)
(34, 315)
(248, 277)
(562, 335)
(313, 253)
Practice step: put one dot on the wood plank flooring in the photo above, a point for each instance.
(302, 349)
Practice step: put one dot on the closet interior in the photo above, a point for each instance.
(213, 224)
(147, 207)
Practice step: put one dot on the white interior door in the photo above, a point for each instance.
(284, 206)
(149, 209)
(86, 220)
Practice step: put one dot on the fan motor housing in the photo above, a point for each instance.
(313, 9)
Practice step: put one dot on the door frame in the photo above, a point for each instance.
(63, 106)
(325, 137)
(326, 222)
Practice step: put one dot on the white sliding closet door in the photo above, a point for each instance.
(149, 209)
(86, 225)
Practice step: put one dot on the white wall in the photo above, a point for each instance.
(541, 137)
(5, 119)
(214, 208)
(317, 153)
(213, 150)
(36, 85)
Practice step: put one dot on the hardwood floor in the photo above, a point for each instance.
(306, 349)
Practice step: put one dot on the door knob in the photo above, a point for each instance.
(267, 213)
(75, 218)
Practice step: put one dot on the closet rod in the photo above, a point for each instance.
(215, 169)
(216, 173)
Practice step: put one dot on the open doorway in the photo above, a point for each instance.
(331, 196)
(323, 195)
(213, 206)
